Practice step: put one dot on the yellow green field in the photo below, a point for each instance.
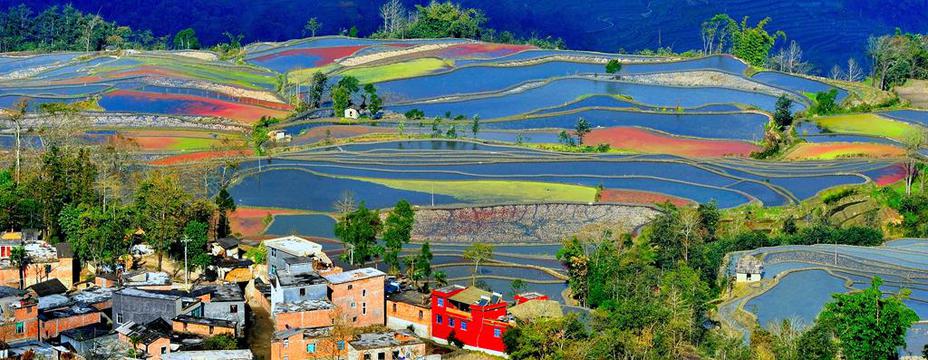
(869, 124)
(417, 67)
(495, 190)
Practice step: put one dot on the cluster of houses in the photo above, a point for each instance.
(316, 308)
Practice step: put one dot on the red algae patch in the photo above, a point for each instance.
(646, 141)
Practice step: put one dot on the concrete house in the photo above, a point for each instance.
(153, 339)
(288, 288)
(223, 302)
(295, 255)
(227, 247)
(142, 306)
(748, 269)
(410, 309)
(394, 345)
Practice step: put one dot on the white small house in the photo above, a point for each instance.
(279, 136)
(351, 113)
(748, 269)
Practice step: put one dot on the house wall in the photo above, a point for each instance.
(292, 294)
(481, 331)
(53, 328)
(202, 329)
(30, 329)
(360, 302)
(141, 310)
(39, 272)
(414, 351)
(303, 319)
(153, 350)
(295, 347)
(222, 310)
(401, 315)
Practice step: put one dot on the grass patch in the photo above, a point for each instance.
(406, 69)
(495, 190)
(868, 124)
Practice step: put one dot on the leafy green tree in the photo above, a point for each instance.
(582, 128)
(441, 279)
(868, 324)
(478, 253)
(197, 254)
(317, 88)
(709, 217)
(825, 102)
(259, 133)
(613, 66)
(452, 132)
(475, 125)
(397, 231)
(358, 229)
(817, 343)
(186, 39)
(517, 287)
(160, 204)
(782, 116)
(564, 138)
(558, 338)
(258, 254)
(446, 19)
(353, 31)
(220, 342)
(423, 265)
(225, 204)
(312, 25)
(375, 102)
(574, 257)
(341, 100)
(414, 114)
(716, 34)
(20, 260)
(67, 176)
(753, 44)
(97, 236)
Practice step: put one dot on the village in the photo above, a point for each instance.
(316, 309)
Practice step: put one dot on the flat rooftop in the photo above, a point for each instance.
(209, 355)
(301, 279)
(303, 305)
(294, 245)
(353, 275)
(384, 340)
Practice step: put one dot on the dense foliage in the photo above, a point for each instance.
(898, 57)
(60, 28)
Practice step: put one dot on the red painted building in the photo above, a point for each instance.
(473, 316)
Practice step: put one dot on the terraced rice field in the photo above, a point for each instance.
(800, 279)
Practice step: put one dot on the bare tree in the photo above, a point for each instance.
(393, 14)
(836, 73)
(854, 71)
(913, 143)
(346, 204)
(715, 33)
(689, 219)
(16, 116)
(88, 30)
(790, 60)
(879, 50)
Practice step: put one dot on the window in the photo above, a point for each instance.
(367, 356)
(354, 305)
(20, 327)
(438, 319)
(396, 354)
(497, 332)
(363, 308)
(210, 329)
(463, 325)
(310, 348)
(363, 292)
(302, 291)
(286, 343)
(394, 307)
(185, 326)
(420, 314)
(340, 344)
(441, 302)
(450, 322)
(350, 286)
(273, 252)
(381, 356)
(233, 309)
(286, 357)
(164, 350)
(354, 319)
(119, 318)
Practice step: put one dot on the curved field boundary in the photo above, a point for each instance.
(503, 264)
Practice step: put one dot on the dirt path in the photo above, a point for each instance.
(261, 331)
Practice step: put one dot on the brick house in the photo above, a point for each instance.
(358, 295)
(410, 308)
(46, 263)
(223, 302)
(287, 287)
(18, 315)
(475, 317)
(152, 339)
(204, 327)
(53, 321)
(304, 314)
(393, 345)
(311, 343)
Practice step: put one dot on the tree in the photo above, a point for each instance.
(517, 287)
(353, 31)
(478, 253)
(98, 236)
(186, 39)
(376, 103)
(613, 66)
(790, 60)
(475, 126)
(868, 324)
(259, 133)
(345, 204)
(20, 260)
(564, 138)
(317, 89)
(160, 204)
(582, 128)
(825, 103)
(817, 343)
(393, 14)
(414, 114)
(197, 254)
(689, 231)
(783, 116)
(423, 265)
(220, 342)
(15, 119)
(341, 100)
(441, 279)
(913, 143)
(709, 217)
(753, 44)
(446, 19)
(397, 231)
(358, 229)
(854, 71)
(225, 204)
(573, 255)
(258, 254)
(716, 33)
(836, 72)
(312, 25)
